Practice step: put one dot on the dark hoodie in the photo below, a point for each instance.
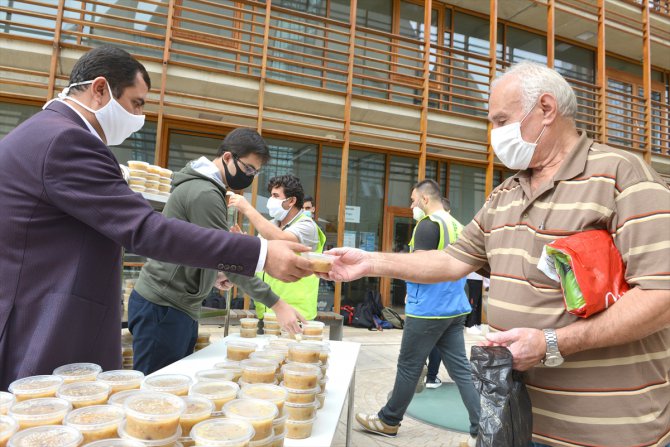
(199, 199)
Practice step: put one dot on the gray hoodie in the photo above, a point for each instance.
(198, 196)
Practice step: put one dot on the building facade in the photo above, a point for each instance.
(358, 98)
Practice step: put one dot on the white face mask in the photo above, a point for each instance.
(116, 122)
(418, 213)
(509, 146)
(307, 213)
(277, 212)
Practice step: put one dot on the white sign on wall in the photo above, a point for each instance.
(352, 214)
(349, 239)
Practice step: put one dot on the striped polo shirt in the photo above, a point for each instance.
(615, 396)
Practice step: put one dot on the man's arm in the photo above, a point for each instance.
(265, 228)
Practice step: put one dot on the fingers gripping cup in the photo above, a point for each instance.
(258, 413)
(34, 387)
(319, 262)
(47, 436)
(223, 433)
(96, 422)
(42, 411)
(152, 416)
(78, 372)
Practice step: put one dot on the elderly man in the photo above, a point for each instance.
(597, 381)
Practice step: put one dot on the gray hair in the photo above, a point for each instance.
(537, 79)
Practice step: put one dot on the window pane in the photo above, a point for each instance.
(30, 19)
(575, 62)
(525, 46)
(375, 14)
(403, 174)
(184, 148)
(317, 7)
(11, 115)
(466, 191)
(139, 146)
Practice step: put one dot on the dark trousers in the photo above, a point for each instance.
(474, 289)
(419, 337)
(161, 334)
(434, 360)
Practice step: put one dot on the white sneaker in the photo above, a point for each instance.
(433, 384)
(474, 330)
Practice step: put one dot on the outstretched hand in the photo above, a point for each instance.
(288, 318)
(283, 262)
(350, 265)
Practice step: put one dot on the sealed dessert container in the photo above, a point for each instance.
(84, 394)
(258, 370)
(223, 433)
(172, 441)
(304, 352)
(177, 384)
(47, 436)
(258, 413)
(301, 376)
(203, 337)
(219, 393)
(248, 333)
(119, 398)
(8, 426)
(121, 379)
(273, 355)
(301, 412)
(6, 401)
(96, 422)
(41, 411)
(313, 328)
(322, 383)
(271, 393)
(78, 372)
(231, 366)
(197, 410)
(249, 323)
(325, 349)
(279, 423)
(298, 396)
(239, 350)
(34, 387)
(278, 439)
(299, 429)
(319, 262)
(321, 400)
(153, 415)
(141, 165)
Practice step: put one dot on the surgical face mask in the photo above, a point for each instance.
(418, 213)
(510, 147)
(307, 213)
(277, 212)
(116, 122)
(240, 180)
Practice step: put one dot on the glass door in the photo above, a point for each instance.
(398, 225)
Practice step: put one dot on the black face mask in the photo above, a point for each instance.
(238, 181)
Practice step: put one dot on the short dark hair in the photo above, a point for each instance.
(292, 187)
(308, 199)
(244, 141)
(446, 204)
(429, 188)
(117, 66)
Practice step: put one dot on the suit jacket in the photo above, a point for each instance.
(65, 214)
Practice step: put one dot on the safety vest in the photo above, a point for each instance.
(445, 299)
(302, 294)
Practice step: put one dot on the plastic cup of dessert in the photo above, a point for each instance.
(119, 398)
(269, 316)
(197, 410)
(165, 442)
(115, 442)
(298, 396)
(258, 370)
(322, 383)
(122, 379)
(267, 442)
(301, 376)
(301, 412)
(138, 173)
(279, 423)
(280, 344)
(84, 394)
(325, 349)
(154, 169)
(273, 355)
(167, 173)
(152, 415)
(313, 328)
(220, 393)
(259, 413)
(214, 375)
(248, 332)
(272, 332)
(249, 323)
(230, 366)
(34, 387)
(319, 262)
(278, 439)
(304, 352)
(78, 372)
(164, 188)
(299, 429)
(137, 181)
(177, 384)
(223, 433)
(265, 391)
(96, 422)
(8, 426)
(321, 399)
(6, 401)
(136, 164)
(47, 436)
(239, 350)
(40, 411)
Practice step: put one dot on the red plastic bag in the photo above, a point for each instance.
(591, 271)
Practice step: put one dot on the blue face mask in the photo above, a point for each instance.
(307, 213)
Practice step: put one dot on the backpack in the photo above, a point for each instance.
(347, 313)
(393, 317)
(366, 311)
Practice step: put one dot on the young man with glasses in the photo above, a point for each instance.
(166, 302)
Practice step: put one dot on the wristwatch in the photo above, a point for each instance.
(553, 356)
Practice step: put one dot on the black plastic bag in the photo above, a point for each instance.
(506, 418)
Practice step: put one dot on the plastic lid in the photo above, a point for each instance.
(154, 406)
(138, 163)
(301, 405)
(250, 409)
(215, 389)
(47, 436)
(95, 417)
(250, 321)
(121, 377)
(150, 443)
(167, 383)
(222, 432)
(214, 375)
(301, 369)
(115, 442)
(304, 347)
(308, 421)
(315, 390)
(314, 324)
(197, 407)
(264, 391)
(319, 257)
(40, 409)
(118, 399)
(35, 385)
(259, 365)
(231, 365)
(78, 371)
(274, 355)
(83, 391)
(241, 344)
(6, 400)
(8, 426)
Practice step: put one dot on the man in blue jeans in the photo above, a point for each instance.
(435, 318)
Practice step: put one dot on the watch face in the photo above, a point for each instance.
(552, 361)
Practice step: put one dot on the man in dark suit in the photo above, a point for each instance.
(66, 213)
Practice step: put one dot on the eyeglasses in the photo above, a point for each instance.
(249, 170)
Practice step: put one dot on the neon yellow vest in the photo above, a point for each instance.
(302, 294)
(442, 219)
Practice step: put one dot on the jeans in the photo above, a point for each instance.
(161, 334)
(419, 337)
(434, 359)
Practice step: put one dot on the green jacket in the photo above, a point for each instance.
(199, 199)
